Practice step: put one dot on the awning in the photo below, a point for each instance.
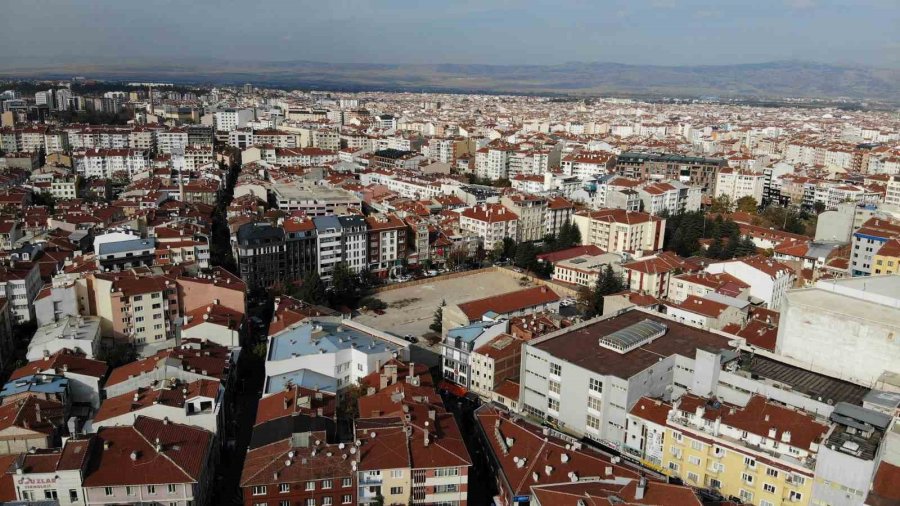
(453, 388)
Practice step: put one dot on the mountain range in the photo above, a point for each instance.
(782, 79)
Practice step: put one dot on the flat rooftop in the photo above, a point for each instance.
(806, 382)
(581, 345)
(325, 337)
(301, 378)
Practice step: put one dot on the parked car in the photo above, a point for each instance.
(411, 338)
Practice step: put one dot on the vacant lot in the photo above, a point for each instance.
(411, 310)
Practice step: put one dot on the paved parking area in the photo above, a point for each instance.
(411, 309)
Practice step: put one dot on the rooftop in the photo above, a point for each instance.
(579, 344)
(322, 336)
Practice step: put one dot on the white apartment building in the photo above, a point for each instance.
(737, 183)
(491, 222)
(620, 231)
(769, 280)
(231, 119)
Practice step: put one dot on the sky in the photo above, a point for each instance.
(659, 32)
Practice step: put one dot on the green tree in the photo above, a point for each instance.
(607, 284)
(721, 204)
(496, 253)
(715, 248)
(526, 256)
(819, 207)
(437, 324)
(747, 204)
(344, 286)
(313, 289)
(509, 247)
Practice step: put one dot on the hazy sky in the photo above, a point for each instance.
(454, 31)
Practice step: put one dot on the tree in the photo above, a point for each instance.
(747, 204)
(348, 406)
(457, 258)
(313, 289)
(526, 256)
(344, 286)
(497, 252)
(819, 207)
(721, 204)
(437, 325)
(607, 284)
(569, 235)
(715, 248)
(509, 247)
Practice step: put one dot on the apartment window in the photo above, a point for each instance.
(396, 490)
(694, 460)
(326, 501)
(51, 495)
(719, 451)
(129, 490)
(553, 404)
(310, 502)
(750, 462)
(284, 488)
(714, 483)
(677, 437)
(596, 386)
(396, 473)
(284, 503)
(554, 387)
(766, 503)
(346, 482)
(171, 488)
(555, 369)
(259, 490)
(748, 478)
(768, 487)
(676, 451)
(346, 499)
(772, 472)
(798, 480)
(310, 485)
(151, 489)
(452, 471)
(108, 491)
(594, 403)
(593, 422)
(696, 445)
(673, 466)
(73, 495)
(326, 484)
(795, 496)
(746, 495)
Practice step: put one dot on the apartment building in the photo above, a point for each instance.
(20, 283)
(585, 270)
(588, 164)
(651, 275)
(739, 183)
(559, 211)
(460, 343)
(671, 197)
(259, 250)
(387, 242)
(762, 452)
(769, 280)
(491, 222)
(620, 231)
(867, 241)
(696, 171)
(532, 215)
(139, 310)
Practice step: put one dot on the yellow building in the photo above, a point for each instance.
(887, 258)
(763, 453)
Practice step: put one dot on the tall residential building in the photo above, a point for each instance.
(619, 231)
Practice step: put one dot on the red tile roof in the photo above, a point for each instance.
(63, 362)
(509, 302)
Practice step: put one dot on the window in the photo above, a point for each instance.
(346, 482)
(328, 483)
(694, 460)
(50, 494)
(553, 387)
(594, 403)
(450, 471)
(677, 436)
(310, 502)
(171, 488)
(326, 501)
(553, 404)
(766, 503)
(795, 496)
(750, 462)
(259, 490)
(596, 386)
(798, 480)
(284, 488)
(676, 451)
(768, 487)
(284, 503)
(108, 491)
(151, 489)
(714, 483)
(396, 473)
(555, 369)
(718, 451)
(129, 490)
(310, 485)
(771, 471)
(694, 477)
(673, 466)
(396, 490)
(73, 495)
(748, 478)
(697, 445)
(593, 422)
(746, 496)
(346, 499)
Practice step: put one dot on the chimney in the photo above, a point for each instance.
(382, 382)
(641, 489)
(37, 412)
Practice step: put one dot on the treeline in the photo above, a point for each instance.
(525, 254)
(684, 231)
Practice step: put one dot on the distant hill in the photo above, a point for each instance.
(776, 79)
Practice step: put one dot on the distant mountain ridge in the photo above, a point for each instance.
(773, 79)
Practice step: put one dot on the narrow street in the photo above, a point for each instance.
(482, 487)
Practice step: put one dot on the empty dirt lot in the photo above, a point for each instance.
(411, 309)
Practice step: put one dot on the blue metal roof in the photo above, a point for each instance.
(324, 337)
(39, 383)
(302, 378)
(111, 248)
(469, 333)
(326, 222)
